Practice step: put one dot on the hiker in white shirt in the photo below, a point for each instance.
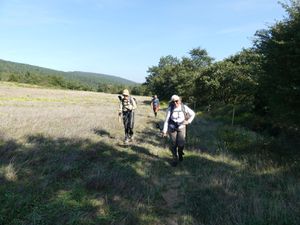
(177, 117)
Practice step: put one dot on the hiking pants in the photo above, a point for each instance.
(155, 110)
(177, 137)
(128, 121)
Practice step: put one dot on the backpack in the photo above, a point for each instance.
(133, 99)
(186, 114)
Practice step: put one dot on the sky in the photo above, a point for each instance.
(126, 37)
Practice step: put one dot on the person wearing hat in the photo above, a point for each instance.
(126, 110)
(177, 117)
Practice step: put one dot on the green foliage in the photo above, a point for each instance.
(161, 78)
(280, 84)
(140, 90)
(233, 80)
(175, 76)
(92, 79)
(236, 139)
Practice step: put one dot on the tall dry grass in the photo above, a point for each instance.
(61, 113)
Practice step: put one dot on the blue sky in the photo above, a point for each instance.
(126, 37)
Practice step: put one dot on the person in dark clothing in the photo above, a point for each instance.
(126, 110)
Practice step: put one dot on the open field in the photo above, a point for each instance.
(62, 161)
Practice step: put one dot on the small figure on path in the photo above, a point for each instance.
(155, 105)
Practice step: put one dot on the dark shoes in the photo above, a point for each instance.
(129, 139)
(180, 157)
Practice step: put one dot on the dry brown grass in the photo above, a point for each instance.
(62, 113)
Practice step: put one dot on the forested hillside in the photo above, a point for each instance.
(24, 73)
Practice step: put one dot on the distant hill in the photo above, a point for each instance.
(91, 78)
(8, 68)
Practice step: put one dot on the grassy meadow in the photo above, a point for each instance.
(62, 161)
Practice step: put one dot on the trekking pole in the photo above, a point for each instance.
(120, 97)
(119, 117)
(186, 134)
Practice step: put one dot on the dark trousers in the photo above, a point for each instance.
(128, 121)
(177, 137)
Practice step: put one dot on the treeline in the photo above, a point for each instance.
(48, 81)
(258, 87)
(23, 73)
(65, 83)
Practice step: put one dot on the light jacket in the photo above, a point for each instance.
(178, 116)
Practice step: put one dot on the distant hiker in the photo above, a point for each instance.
(155, 105)
(126, 110)
(177, 117)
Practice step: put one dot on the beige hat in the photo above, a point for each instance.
(175, 98)
(125, 92)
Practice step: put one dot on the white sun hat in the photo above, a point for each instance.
(175, 98)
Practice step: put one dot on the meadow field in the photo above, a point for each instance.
(62, 161)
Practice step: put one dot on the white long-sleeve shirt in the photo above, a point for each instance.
(178, 116)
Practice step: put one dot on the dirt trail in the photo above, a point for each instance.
(173, 199)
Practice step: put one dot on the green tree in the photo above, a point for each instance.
(232, 82)
(13, 78)
(177, 76)
(162, 78)
(280, 83)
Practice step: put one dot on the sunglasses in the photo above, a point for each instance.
(176, 101)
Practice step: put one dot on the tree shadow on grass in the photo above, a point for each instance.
(142, 150)
(78, 181)
(221, 188)
(73, 181)
(217, 191)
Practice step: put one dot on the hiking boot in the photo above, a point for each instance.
(126, 141)
(131, 139)
(180, 156)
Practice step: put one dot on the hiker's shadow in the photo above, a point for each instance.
(139, 149)
(103, 133)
